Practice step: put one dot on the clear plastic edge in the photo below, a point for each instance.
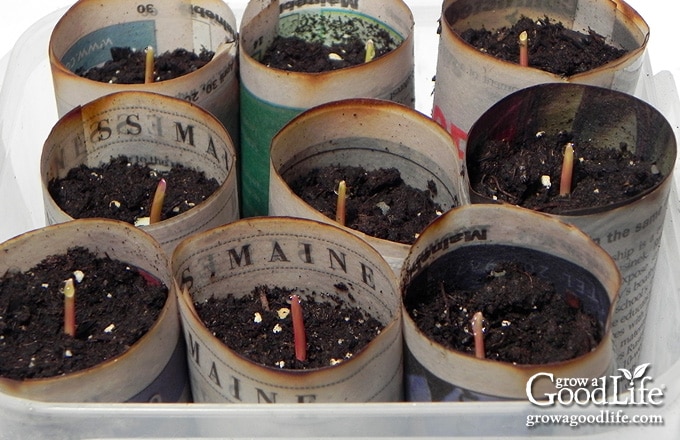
(20, 418)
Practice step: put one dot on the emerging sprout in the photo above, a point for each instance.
(478, 333)
(567, 170)
(370, 51)
(157, 203)
(340, 208)
(149, 65)
(298, 329)
(523, 49)
(69, 307)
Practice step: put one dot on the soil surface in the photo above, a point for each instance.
(116, 304)
(298, 55)
(379, 203)
(124, 191)
(525, 320)
(251, 326)
(552, 47)
(304, 51)
(127, 66)
(512, 172)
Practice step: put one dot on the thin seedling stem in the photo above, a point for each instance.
(340, 208)
(478, 333)
(69, 308)
(567, 170)
(157, 203)
(149, 65)
(370, 51)
(523, 49)
(298, 329)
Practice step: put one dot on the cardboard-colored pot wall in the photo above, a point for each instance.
(84, 36)
(272, 97)
(371, 134)
(468, 81)
(463, 245)
(289, 253)
(630, 231)
(151, 370)
(150, 129)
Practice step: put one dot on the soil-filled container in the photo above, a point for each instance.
(270, 97)
(152, 369)
(624, 152)
(153, 130)
(469, 81)
(92, 33)
(370, 135)
(318, 263)
(464, 249)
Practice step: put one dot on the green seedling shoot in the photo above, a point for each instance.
(370, 51)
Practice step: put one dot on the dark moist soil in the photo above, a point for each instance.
(335, 329)
(378, 202)
(525, 320)
(300, 52)
(93, 192)
(127, 66)
(112, 293)
(552, 47)
(512, 172)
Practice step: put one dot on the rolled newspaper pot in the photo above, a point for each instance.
(371, 134)
(465, 244)
(308, 257)
(153, 130)
(151, 370)
(84, 36)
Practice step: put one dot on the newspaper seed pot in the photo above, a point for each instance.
(271, 97)
(154, 130)
(312, 258)
(371, 134)
(628, 228)
(84, 36)
(466, 244)
(468, 81)
(153, 369)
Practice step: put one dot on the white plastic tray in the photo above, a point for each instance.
(28, 112)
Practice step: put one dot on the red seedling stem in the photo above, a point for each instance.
(157, 203)
(298, 329)
(478, 333)
(523, 49)
(69, 308)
